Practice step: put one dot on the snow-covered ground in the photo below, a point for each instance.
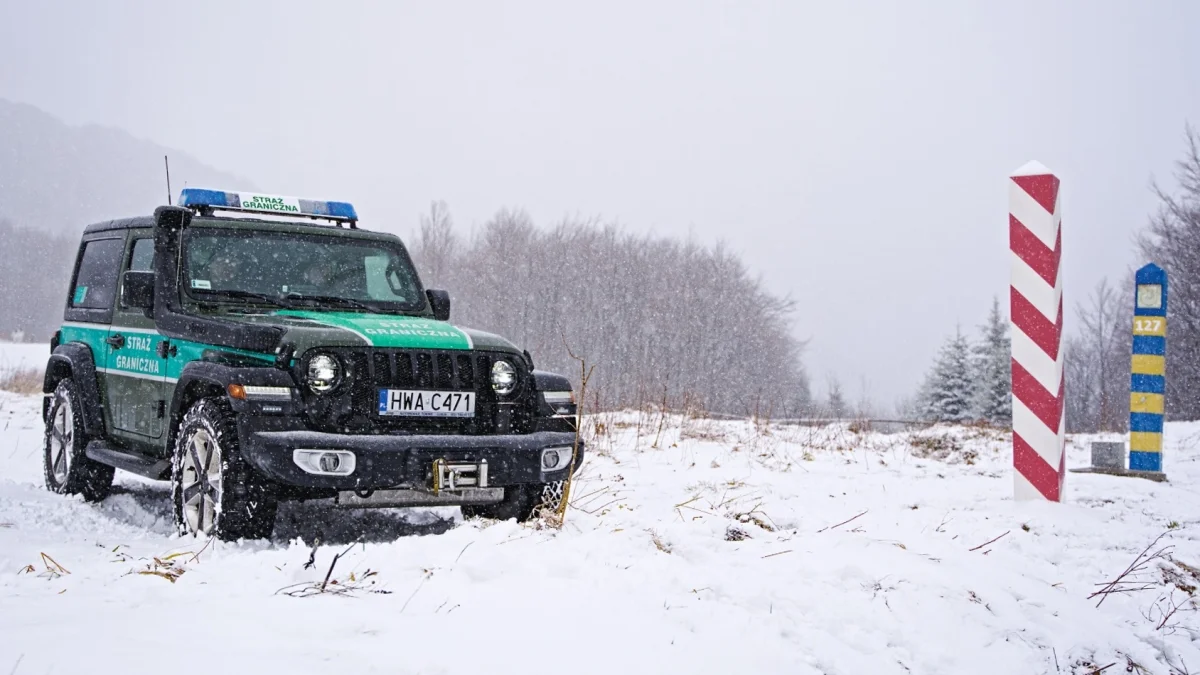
(22, 355)
(693, 547)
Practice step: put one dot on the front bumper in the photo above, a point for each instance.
(399, 461)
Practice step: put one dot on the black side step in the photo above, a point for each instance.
(150, 467)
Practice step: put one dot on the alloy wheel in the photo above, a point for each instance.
(201, 482)
(62, 436)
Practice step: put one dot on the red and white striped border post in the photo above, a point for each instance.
(1035, 238)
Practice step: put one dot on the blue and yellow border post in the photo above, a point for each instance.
(1148, 384)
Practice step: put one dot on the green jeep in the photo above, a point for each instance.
(250, 359)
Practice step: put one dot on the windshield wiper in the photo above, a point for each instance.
(251, 295)
(333, 299)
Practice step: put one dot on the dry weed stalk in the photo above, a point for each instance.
(585, 374)
(848, 520)
(346, 586)
(587, 502)
(169, 567)
(758, 517)
(989, 541)
(661, 545)
(53, 570)
(1129, 581)
(166, 567)
(1162, 612)
(662, 416)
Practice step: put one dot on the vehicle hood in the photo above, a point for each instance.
(314, 328)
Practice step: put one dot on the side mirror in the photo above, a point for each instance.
(439, 301)
(137, 290)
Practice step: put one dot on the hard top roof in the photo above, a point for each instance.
(280, 225)
(120, 224)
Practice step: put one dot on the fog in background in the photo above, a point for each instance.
(854, 154)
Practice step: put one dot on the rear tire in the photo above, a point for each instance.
(522, 502)
(214, 490)
(68, 469)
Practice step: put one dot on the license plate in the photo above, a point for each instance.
(419, 403)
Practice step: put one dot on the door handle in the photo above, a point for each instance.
(116, 341)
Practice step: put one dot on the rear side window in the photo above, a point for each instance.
(96, 281)
(142, 258)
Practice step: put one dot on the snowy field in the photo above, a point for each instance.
(22, 355)
(693, 547)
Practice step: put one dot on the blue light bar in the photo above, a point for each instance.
(201, 199)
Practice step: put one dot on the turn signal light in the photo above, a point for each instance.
(249, 392)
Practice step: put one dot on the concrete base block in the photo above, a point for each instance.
(1156, 476)
(1108, 455)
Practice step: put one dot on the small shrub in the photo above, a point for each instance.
(21, 380)
(733, 533)
(943, 448)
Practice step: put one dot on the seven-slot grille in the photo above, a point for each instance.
(355, 408)
(419, 369)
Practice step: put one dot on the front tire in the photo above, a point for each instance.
(214, 490)
(68, 469)
(522, 502)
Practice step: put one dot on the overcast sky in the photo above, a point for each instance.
(855, 153)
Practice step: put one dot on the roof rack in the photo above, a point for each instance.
(205, 202)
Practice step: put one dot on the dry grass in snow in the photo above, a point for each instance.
(691, 545)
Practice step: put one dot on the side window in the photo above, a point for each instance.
(142, 258)
(96, 280)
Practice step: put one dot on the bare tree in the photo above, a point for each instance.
(657, 317)
(1101, 341)
(436, 245)
(1173, 242)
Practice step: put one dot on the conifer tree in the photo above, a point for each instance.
(949, 387)
(837, 400)
(993, 371)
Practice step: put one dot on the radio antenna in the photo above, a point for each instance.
(167, 165)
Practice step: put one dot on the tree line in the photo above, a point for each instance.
(35, 269)
(662, 320)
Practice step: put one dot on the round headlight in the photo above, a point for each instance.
(504, 378)
(323, 373)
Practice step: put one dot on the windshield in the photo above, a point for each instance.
(289, 269)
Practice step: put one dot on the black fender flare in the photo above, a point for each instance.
(75, 360)
(547, 381)
(544, 380)
(203, 379)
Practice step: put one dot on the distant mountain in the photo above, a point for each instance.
(54, 180)
(58, 178)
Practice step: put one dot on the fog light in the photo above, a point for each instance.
(325, 462)
(555, 458)
(329, 462)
